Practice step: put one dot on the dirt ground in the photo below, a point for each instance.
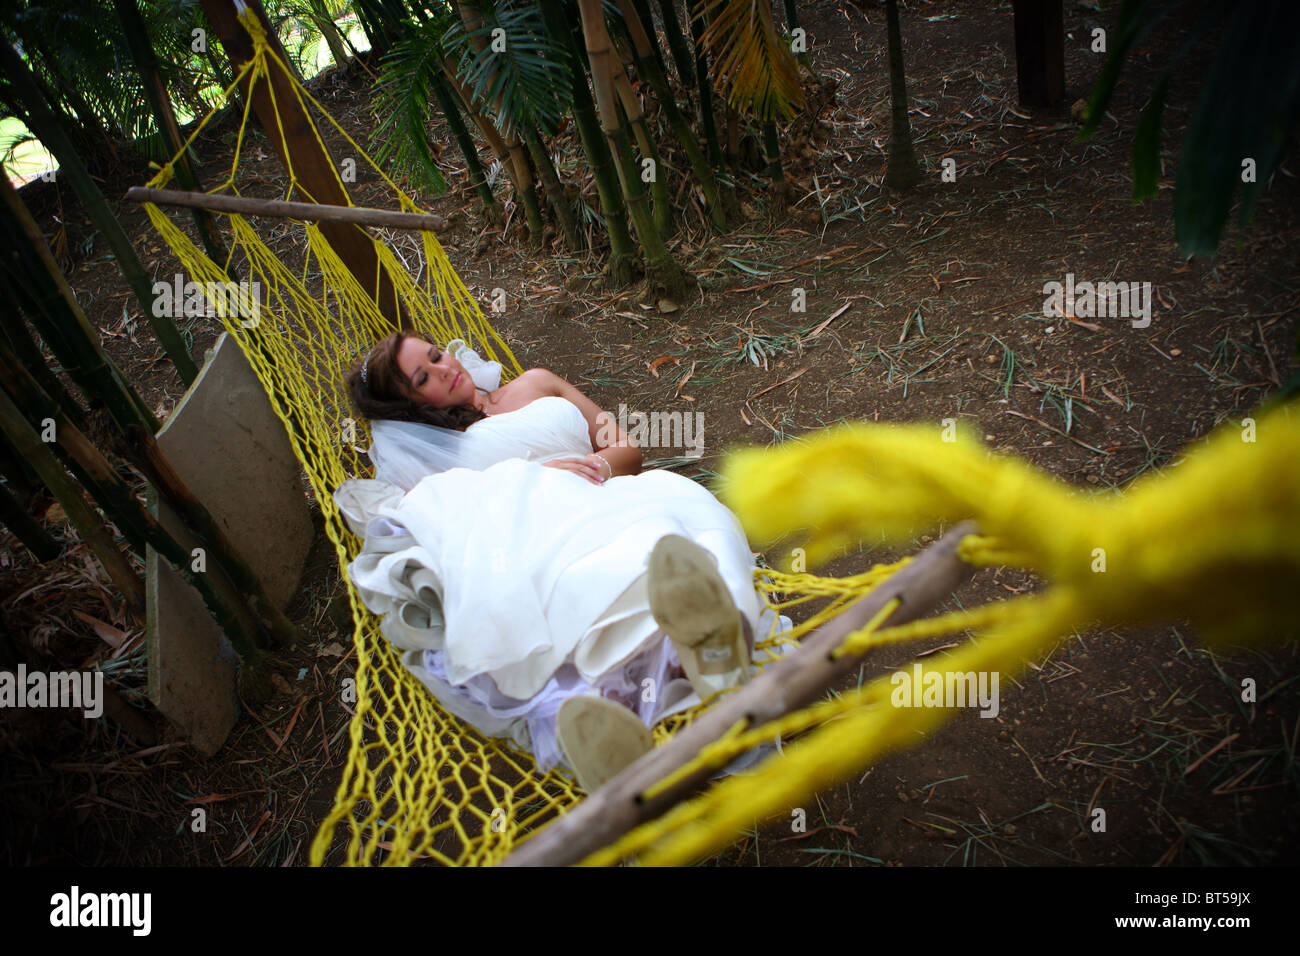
(944, 319)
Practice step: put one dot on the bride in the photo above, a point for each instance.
(534, 579)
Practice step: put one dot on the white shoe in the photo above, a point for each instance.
(599, 738)
(691, 603)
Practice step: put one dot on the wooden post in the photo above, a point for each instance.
(299, 149)
(782, 687)
(1040, 51)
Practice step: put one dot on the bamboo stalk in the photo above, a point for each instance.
(781, 688)
(89, 526)
(155, 88)
(47, 126)
(284, 209)
(663, 274)
(52, 306)
(16, 517)
(622, 251)
(646, 51)
(220, 590)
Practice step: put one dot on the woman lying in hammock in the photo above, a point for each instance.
(534, 579)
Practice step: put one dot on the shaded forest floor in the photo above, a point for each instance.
(920, 307)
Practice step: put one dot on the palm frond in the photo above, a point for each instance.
(521, 75)
(751, 61)
(401, 103)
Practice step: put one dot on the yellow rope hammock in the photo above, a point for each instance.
(1214, 540)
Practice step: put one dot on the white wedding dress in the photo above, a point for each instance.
(509, 586)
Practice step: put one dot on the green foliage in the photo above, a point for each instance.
(522, 73)
(401, 104)
(1247, 107)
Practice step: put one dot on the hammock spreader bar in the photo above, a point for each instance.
(671, 772)
(284, 209)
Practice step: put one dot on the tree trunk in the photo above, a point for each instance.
(518, 154)
(648, 67)
(677, 41)
(15, 516)
(621, 268)
(555, 196)
(663, 275)
(706, 96)
(329, 31)
(513, 162)
(636, 119)
(474, 168)
(52, 307)
(904, 172)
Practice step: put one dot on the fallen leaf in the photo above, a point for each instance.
(110, 635)
(333, 649)
(654, 366)
(789, 378)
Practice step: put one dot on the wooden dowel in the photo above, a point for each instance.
(283, 209)
(782, 687)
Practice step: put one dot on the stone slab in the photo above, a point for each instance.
(230, 449)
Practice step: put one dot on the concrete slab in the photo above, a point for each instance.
(228, 446)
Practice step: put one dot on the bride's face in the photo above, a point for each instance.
(433, 376)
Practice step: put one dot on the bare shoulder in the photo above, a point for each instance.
(529, 385)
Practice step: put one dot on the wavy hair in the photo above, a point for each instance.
(385, 393)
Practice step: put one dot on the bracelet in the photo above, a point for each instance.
(607, 464)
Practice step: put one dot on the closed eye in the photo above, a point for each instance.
(434, 357)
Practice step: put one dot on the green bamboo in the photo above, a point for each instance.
(904, 172)
(663, 274)
(137, 42)
(43, 122)
(676, 37)
(14, 333)
(555, 197)
(96, 477)
(707, 123)
(219, 587)
(52, 307)
(647, 64)
(26, 528)
(477, 177)
(89, 526)
(621, 267)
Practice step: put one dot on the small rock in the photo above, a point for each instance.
(668, 306)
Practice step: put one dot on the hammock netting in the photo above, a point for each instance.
(1213, 540)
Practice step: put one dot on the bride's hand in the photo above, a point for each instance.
(590, 467)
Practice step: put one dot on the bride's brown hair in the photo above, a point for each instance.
(383, 391)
